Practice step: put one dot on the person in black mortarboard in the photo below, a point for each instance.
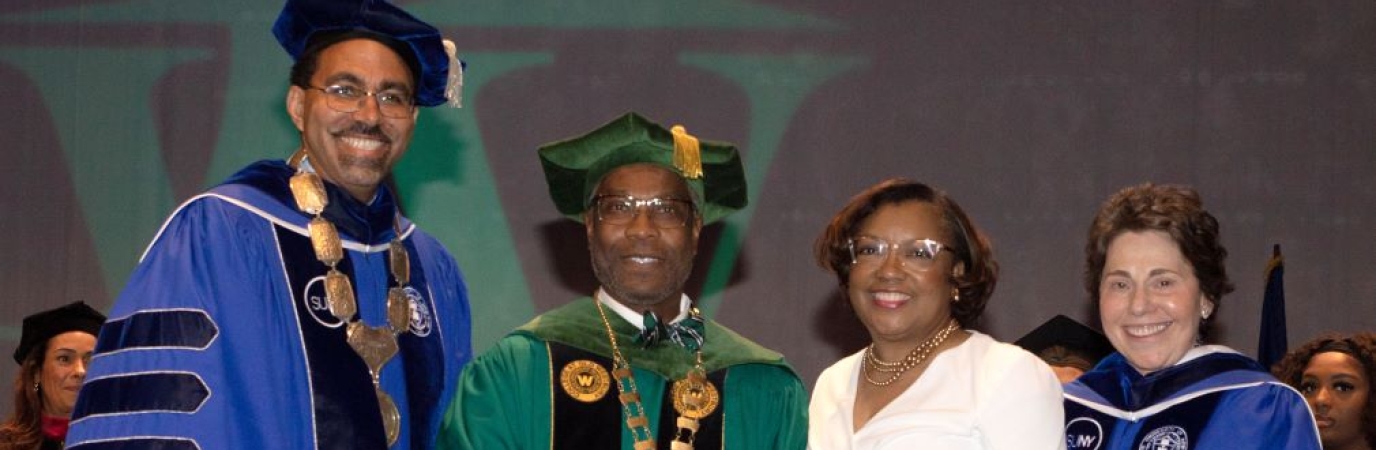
(634, 366)
(294, 306)
(1069, 347)
(54, 348)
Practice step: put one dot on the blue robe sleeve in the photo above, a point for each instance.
(193, 355)
(1269, 415)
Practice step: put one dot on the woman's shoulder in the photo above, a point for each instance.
(839, 376)
(842, 368)
(997, 363)
(1001, 354)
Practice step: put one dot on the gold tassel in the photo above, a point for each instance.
(687, 154)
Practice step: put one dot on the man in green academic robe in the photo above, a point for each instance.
(634, 366)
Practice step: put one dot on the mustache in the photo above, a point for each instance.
(366, 130)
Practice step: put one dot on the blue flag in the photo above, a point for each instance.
(1272, 343)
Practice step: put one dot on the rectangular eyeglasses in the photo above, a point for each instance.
(663, 212)
(871, 252)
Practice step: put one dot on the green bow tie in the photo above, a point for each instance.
(687, 333)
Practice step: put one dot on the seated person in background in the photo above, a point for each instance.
(1335, 374)
(53, 352)
(1154, 265)
(1069, 347)
(918, 273)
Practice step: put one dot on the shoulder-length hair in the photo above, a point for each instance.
(970, 246)
(23, 429)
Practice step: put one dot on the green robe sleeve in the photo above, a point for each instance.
(766, 408)
(503, 400)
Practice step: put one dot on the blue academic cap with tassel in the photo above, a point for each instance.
(439, 71)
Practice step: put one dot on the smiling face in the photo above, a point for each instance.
(639, 264)
(1336, 387)
(899, 303)
(1149, 300)
(355, 151)
(64, 368)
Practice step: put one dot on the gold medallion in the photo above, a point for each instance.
(325, 241)
(391, 417)
(309, 192)
(585, 381)
(695, 397)
(339, 294)
(400, 260)
(398, 309)
(374, 345)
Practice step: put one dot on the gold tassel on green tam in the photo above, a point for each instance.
(687, 155)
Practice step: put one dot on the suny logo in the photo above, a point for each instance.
(1083, 433)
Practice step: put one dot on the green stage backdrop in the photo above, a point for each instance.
(1028, 113)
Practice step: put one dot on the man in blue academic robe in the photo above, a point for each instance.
(293, 306)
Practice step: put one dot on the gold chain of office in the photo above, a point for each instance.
(694, 397)
(375, 345)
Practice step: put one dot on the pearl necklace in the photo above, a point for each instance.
(914, 358)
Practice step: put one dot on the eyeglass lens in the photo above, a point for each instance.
(664, 212)
(918, 254)
(349, 99)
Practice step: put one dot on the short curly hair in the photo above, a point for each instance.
(1360, 346)
(1172, 209)
(970, 247)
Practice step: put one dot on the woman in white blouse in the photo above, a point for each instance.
(918, 273)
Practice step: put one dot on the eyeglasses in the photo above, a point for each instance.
(917, 254)
(623, 209)
(348, 99)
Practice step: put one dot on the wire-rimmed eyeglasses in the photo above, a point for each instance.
(348, 99)
(663, 212)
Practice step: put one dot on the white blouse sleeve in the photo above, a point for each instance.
(1022, 407)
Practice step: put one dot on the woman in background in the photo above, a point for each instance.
(53, 352)
(1154, 268)
(918, 274)
(1335, 374)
